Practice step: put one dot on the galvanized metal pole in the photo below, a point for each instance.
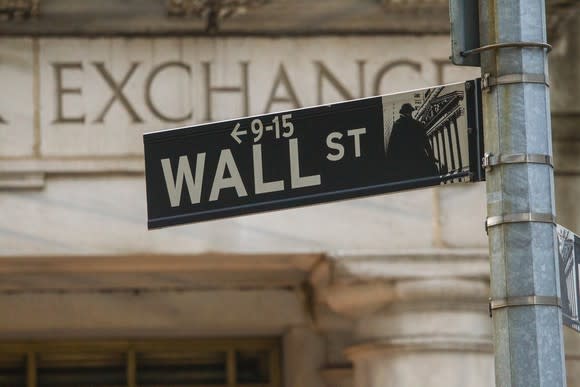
(527, 321)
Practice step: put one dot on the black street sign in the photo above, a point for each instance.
(464, 18)
(338, 151)
(569, 262)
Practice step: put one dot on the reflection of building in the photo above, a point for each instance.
(568, 273)
(389, 291)
(440, 112)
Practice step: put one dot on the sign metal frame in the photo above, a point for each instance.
(339, 147)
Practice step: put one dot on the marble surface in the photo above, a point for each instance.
(194, 313)
(90, 204)
(462, 213)
(96, 96)
(107, 215)
(17, 98)
(426, 369)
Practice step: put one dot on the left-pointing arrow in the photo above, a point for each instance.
(235, 133)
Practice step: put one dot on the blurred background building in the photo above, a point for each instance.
(386, 291)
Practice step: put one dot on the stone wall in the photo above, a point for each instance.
(391, 284)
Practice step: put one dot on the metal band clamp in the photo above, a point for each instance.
(489, 160)
(488, 81)
(507, 45)
(519, 218)
(523, 301)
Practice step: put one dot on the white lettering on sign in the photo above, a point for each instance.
(337, 146)
(297, 180)
(220, 181)
(259, 184)
(356, 133)
(236, 133)
(227, 175)
(258, 129)
(333, 143)
(174, 187)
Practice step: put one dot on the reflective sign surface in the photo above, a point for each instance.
(569, 262)
(345, 150)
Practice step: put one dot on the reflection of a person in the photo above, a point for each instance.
(409, 154)
(565, 250)
(566, 305)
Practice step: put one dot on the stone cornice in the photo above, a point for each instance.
(149, 272)
(280, 16)
(354, 285)
(351, 267)
(211, 261)
(212, 11)
(18, 9)
(370, 297)
(422, 344)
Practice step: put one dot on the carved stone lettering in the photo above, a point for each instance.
(91, 97)
(324, 73)
(61, 90)
(209, 89)
(416, 66)
(290, 97)
(117, 89)
(361, 77)
(149, 98)
(440, 65)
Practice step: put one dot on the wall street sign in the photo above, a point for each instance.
(306, 156)
(569, 264)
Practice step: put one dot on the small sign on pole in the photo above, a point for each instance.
(306, 156)
(464, 17)
(569, 263)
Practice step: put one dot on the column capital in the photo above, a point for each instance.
(365, 284)
(414, 315)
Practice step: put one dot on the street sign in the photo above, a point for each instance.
(306, 156)
(464, 18)
(569, 263)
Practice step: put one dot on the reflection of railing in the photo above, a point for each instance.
(18, 9)
(567, 273)
(439, 113)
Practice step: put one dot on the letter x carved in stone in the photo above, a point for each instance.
(117, 89)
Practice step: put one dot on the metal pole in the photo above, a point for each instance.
(527, 321)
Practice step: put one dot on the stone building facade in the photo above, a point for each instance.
(389, 290)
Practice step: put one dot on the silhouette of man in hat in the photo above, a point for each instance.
(409, 154)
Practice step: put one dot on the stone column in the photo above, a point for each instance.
(303, 357)
(415, 328)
